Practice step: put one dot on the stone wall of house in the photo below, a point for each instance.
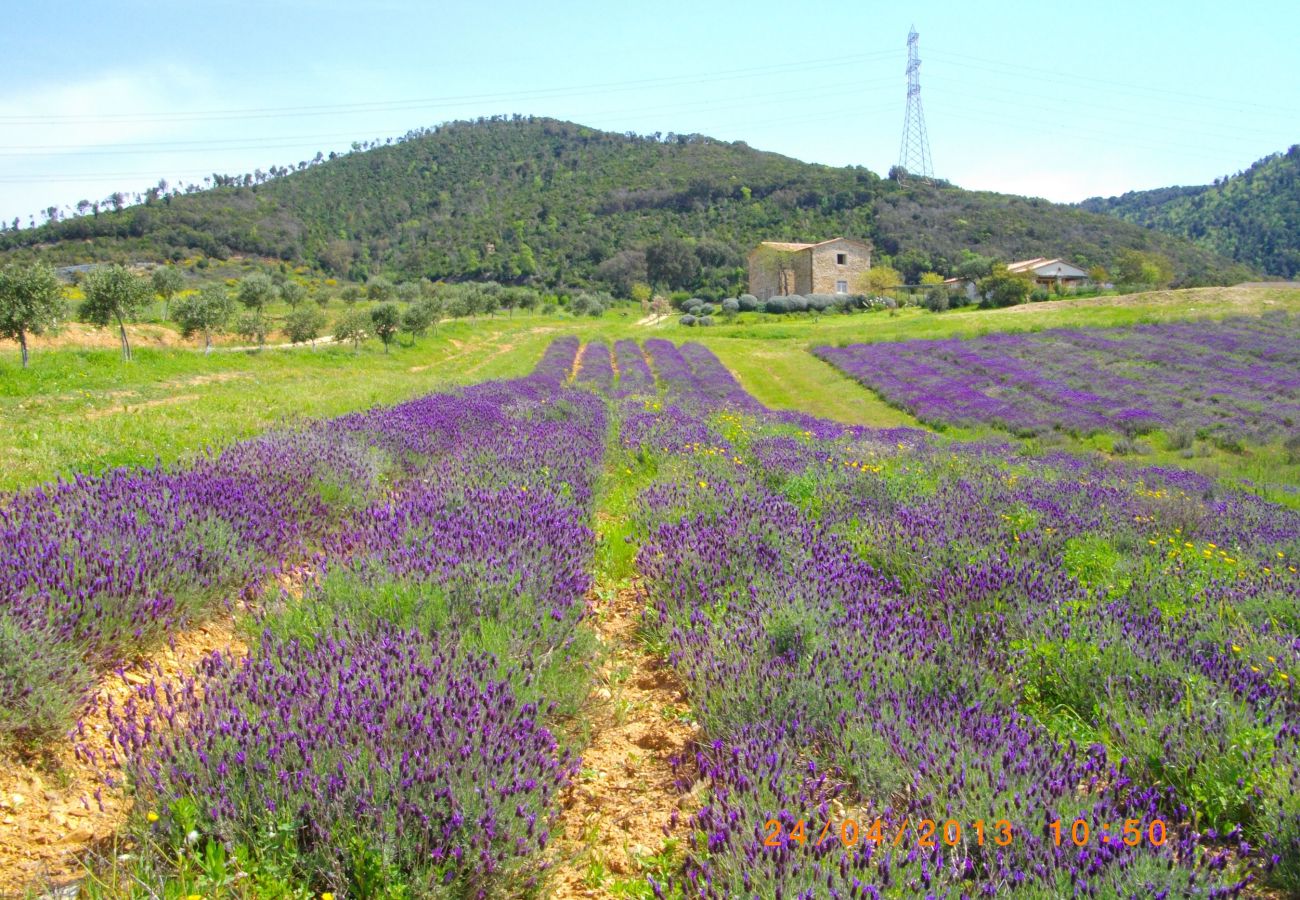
(826, 271)
(779, 273)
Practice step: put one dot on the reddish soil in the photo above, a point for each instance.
(619, 809)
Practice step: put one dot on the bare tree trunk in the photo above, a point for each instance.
(22, 342)
(207, 342)
(126, 345)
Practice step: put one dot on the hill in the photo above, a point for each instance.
(521, 197)
(1252, 217)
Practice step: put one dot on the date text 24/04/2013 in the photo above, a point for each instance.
(929, 833)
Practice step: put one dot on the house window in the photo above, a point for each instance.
(841, 287)
(841, 259)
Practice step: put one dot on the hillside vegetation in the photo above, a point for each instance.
(565, 204)
(1252, 217)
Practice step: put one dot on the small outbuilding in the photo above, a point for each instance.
(835, 266)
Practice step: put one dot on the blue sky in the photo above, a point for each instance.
(1063, 101)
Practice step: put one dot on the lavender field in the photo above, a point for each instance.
(1231, 382)
(875, 626)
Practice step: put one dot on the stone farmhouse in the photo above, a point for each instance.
(829, 267)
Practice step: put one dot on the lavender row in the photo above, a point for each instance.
(1231, 380)
(634, 375)
(1127, 638)
(411, 686)
(596, 366)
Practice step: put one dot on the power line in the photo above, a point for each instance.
(426, 102)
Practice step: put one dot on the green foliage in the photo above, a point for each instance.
(167, 282)
(292, 293)
(114, 294)
(421, 315)
(1137, 268)
(205, 312)
(251, 326)
(380, 289)
(31, 302)
(355, 326)
(386, 319)
(936, 298)
(1004, 288)
(880, 280)
(1252, 217)
(304, 325)
(556, 201)
(256, 290)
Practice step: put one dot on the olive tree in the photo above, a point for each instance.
(386, 319)
(354, 326)
(31, 302)
(114, 294)
(256, 290)
(205, 313)
(167, 283)
(292, 293)
(304, 325)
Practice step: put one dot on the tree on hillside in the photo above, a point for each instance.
(419, 317)
(256, 290)
(673, 263)
(1003, 287)
(167, 283)
(205, 312)
(1136, 267)
(293, 293)
(114, 294)
(386, 319)
(304, 325)
(408, 292)
(879, 280)
(31, 302)
(355, 326)
(379, 289)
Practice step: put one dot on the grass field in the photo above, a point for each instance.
(79, 409)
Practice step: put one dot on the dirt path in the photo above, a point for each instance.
(618, 816)
(49, 814)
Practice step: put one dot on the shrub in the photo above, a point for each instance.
(1038, 295)
(797, 303)
(1180, 439)
(1292, 447)
(705, 321)
(776, 305)
(731, 305)
(43, 683)
(705, 310)
(687, 320)
(748, 303)
(936, 299)
(1127, 446)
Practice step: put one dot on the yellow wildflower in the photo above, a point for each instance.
(704, 484)
(152, 816)
(1284, 676)
(1236, 649)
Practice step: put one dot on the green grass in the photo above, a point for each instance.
(79, 410)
